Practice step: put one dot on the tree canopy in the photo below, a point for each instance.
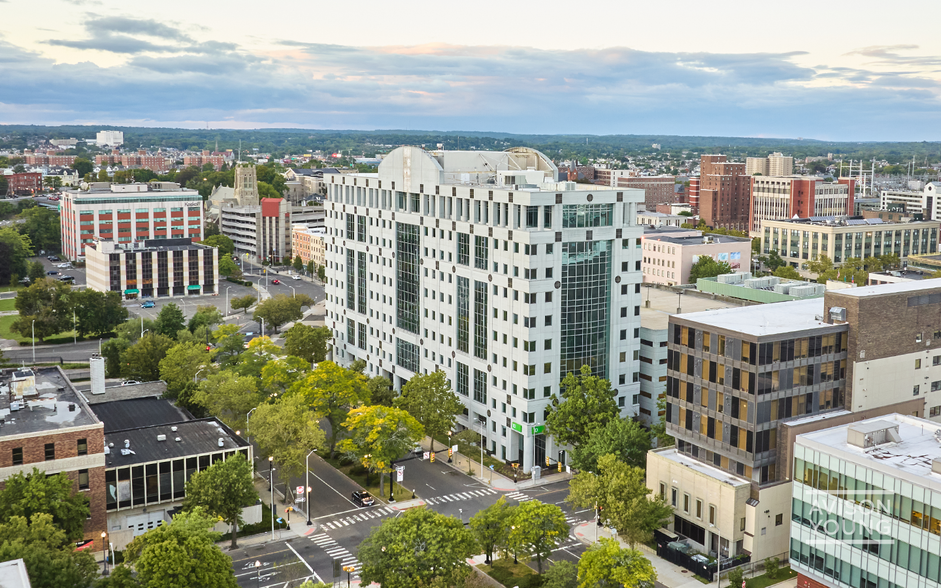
(624, 438)
(308, 343)
(170, 320)
(587, 402)
(223, 489)
(332, 391)
(431, 401)
(287, 430)
(378, 435)
(706, 267)
(141, 361)
(45, 308)
(49, 554)
(491, 526)
(606, 563)
(25, 495)
(536, 529)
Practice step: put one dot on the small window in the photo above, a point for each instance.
(83, 447)
(698, 509)
(712, 514)
(917, 364)
(916, 389)
(17, 456)
(778, 520)
(686, 503)
(50, 451)
(83, 479)
(663, 490)
(673, 497)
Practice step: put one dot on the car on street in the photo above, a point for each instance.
(129, 382)
(66, 278)
(64, 265)
(363, 498)
(52, 273)
(147, 304)
(275, 281)
(53, 258)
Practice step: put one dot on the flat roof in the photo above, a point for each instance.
(697, 240)
(195, 437)
(776, 318)
(663, 305)
(713, 472)
(912, 455)
(817, 417)
(13, 574)
(138, 412)
(887, 289)
(53, 406)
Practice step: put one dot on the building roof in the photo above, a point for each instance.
(765, 319)
(113, 393)
(195, 437)
(13, 574)
(138, 412)
(663, 301)
(52, 405)
(919, 444)
(888, 289)
(842, 221)
(696, 239)
(713, 472)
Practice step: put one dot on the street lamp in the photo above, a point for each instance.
(34, 340)
(293, 291)
(307, 484)
(196, 375)
(718, 549)
(104, 545)
(248, 430)
(271, 485)
(227, 301)
(449, 446)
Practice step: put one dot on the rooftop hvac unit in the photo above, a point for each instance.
(837, 314)
(161, 437)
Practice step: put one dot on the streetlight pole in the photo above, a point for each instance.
(196, 375)
(271, 485)
(449, 446)
(74, 334)
(293, 291)
(227, 301)
(258, 571)
(34, 340)
(307, 485)
(104, 535)
(481, 425)
(248, 430)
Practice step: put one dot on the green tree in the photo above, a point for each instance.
(97, 313)
(281, 374)
(774, 260)
(170, 320)
(224, 244)
(228, 396)
(112, 350)
(322, 274)
(26, 495)
(35, 271)
(210, 230)
(49, 554)
(332, 391)
(587, 402)
(256, 356)
(606, 563)
(242, 302)
(279, 310)
(229, 269)
(121, 577)
(182, 553)
(103, 176)
(820, 265)
(787, 271)
(706, 267)
(624, 438)
(621, 492)
(378, 435)
(15, 249)
(419, 549)
(491, 526)
(298, 264)
(889, 261)
(736, 577)
(141, 361)
(310, 267)
(45, 306)
(83, 166)
(431, 401)
(536, 529)
(380, 391)
(205, 316)
(223, 490)
(659, 428)
(180, 366)
(287, 430)
(308, 343)
(41, 225)
(229, 345)
(562, 574)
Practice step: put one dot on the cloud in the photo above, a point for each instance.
(888, 55)
(441, 86)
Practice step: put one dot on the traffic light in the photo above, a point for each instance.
(432, 455)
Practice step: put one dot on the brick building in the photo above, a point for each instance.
(154, 162)
(216, 159)
(49, 158)
(24, 183)
(776, 198)
(692, 194)
(657, 189)
(724, 193)
(46, 424)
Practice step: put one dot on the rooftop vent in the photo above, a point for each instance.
(173, 429)
(837, 315)
(177, 439)
(161, 437)
(869, 434)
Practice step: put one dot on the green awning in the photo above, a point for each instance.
(193, 287)
(133, 291)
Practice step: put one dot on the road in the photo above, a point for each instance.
(341, 526)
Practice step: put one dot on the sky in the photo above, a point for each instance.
(863, 71)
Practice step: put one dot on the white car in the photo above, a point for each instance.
(296, 277)
(65, 265)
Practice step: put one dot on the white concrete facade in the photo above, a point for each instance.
(925, 202)
(471, 263)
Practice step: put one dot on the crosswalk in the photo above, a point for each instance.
(365, 515)
(518, 496)
(458, 496)
(336, 551)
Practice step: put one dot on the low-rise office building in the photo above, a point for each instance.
(261, 230)
(154, 268)
(669, 256)
(924, 203)
(798, 241)
(307, 243)
(776, 198)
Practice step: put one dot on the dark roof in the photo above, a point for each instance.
(137, 412)
(51, 405)
(195, 437)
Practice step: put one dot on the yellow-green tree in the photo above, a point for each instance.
(536, 529)
(332, 391)
(606, 563)
(431, 401)
(287, 430)
(378, 435)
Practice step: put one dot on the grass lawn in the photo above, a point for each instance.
(763, 581)
(6, 333)
(11, 288)
(357, 473)
(8, 304)
(510, 574)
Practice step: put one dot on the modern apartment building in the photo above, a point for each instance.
(154, 268)
(610, 177)
(657, 189)
(486, 266)
(127, 213)
(840, 237)
(669, 256)
(694, 185)
(867, 505)
(775, 164)
(155, 162)
(782, 198)
(724, 193)
(925, 203)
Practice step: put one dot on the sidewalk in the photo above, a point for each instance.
(495, 480)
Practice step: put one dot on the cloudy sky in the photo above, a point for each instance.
(726, 67)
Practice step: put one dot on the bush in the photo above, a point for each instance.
(735, 577)
(772, 567)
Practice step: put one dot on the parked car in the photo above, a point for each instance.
(275, 281)
(53, 258)
(363, 498)
(147, 304)
(52, 273)
(25, 281)
(296, 277)
(65, 265)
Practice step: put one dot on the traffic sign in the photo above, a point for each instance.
(425, 455)
(399, 473)
(300, 491)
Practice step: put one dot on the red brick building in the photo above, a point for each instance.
(692, 194)
(202, 159)
(724, 193)
(24, 183)
(50, 426)
(156, 163)
(657, 189)
(49, 158)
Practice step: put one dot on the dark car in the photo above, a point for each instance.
(53, 258)
(52, 273)
(363, 498)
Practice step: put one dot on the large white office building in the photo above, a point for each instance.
(486, 266)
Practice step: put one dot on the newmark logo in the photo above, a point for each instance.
(852, 517)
